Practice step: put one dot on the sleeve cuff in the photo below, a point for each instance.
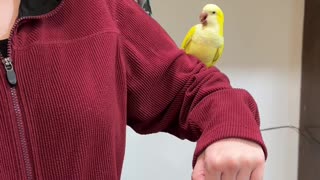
(228, 131)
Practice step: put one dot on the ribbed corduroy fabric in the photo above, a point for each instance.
(89, 68)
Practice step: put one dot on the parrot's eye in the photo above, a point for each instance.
(213, 12)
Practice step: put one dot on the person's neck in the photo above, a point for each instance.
(8, 14)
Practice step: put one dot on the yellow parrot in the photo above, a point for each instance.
(205, 40)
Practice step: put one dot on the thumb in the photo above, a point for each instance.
(199, 169)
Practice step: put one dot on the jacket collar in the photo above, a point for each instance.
(37, 7)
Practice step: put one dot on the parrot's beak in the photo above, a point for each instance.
(203, 18)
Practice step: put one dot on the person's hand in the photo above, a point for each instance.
(230, 159)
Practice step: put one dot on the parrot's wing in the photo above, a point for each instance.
(217, 55)
(188, 38)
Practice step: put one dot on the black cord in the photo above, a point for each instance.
(280, 127)
(304, 133)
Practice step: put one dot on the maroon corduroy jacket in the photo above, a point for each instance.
(86, 69)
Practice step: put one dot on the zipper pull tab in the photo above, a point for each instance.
(11, 75)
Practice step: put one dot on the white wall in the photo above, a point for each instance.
(263, 55)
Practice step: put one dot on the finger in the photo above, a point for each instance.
(229, 175)
(213, 176)
(230, 169)
(244, 174)
(212, 172)
(257, 174)
(199, 170)
(197, 176)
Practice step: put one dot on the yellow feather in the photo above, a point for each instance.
(188, 38)
(217, 56)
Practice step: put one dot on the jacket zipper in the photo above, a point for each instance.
(22, 134)
(12, 80)
(11, 77)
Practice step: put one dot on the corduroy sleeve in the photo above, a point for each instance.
(169, 91)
